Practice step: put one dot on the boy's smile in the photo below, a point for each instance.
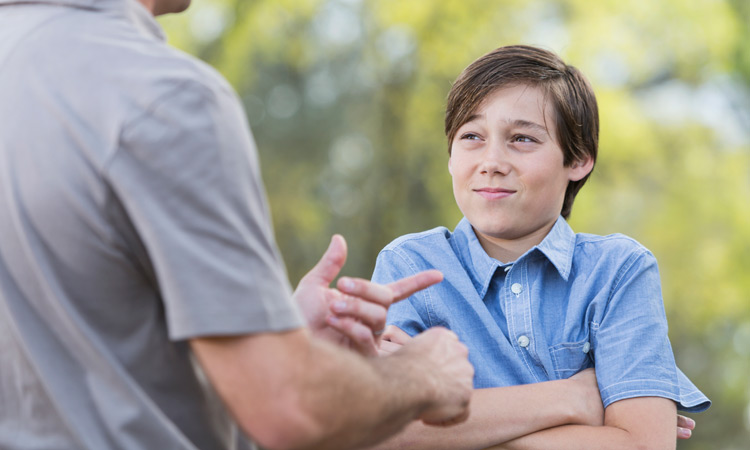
(508, 174)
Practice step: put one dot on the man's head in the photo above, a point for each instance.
(569, 93)
(159, 7)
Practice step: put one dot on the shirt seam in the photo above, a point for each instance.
(147, 112)
(629, 263)
(643, 380)
(40, 26)
(641, 393)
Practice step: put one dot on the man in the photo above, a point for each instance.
(134, 236)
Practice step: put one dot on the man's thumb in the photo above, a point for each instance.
(330, 264)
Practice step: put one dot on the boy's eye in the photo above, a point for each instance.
(523, 138)
(470, 136)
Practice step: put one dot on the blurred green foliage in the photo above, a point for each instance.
(346, 101)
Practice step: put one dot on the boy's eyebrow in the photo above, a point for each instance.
(528, 124)
(520, 123)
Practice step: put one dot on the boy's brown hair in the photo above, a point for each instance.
(573, 100)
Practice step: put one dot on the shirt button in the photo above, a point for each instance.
(516, 288)
(523, 341)
(586, 347)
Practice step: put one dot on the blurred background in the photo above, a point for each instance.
(346, 101)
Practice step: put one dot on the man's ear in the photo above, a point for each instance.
(580, 169)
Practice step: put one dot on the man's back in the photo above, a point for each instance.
(96, 262)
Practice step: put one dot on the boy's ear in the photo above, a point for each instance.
(580, 169)
(450, 169)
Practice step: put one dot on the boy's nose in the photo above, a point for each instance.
(495, 161)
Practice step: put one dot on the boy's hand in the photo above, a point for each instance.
(685, 427)
(393, 339)
(589, 408)
(587, 404)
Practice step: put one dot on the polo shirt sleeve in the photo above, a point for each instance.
(632, 352)
(409, 314)
(186, 171)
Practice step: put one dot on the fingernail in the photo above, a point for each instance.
(347, 284)
(691, 422)
(333, 320)
(339, 306)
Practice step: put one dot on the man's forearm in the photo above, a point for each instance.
(288, 391)
(384, 403)
(502, 414)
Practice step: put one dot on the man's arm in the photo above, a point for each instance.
(636, 423)
(289, 391)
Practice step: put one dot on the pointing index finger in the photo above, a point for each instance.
(405, 287)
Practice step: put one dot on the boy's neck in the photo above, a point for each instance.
(509, 250)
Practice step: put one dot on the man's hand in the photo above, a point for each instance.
(354, 314)
(442, 358)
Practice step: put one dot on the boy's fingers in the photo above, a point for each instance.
(683, 433)
(685, 422)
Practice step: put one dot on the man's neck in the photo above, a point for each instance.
(149, 4)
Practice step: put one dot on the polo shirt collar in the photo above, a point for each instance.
(557, 247)
(134, 11)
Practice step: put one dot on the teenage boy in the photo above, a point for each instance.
(532, 300)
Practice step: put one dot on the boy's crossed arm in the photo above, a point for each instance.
(636, 423)
(553, 414)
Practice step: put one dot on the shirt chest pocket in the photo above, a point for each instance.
(569, 358)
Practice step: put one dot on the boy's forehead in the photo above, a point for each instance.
(521, 102)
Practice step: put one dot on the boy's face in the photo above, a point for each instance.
(507, 167)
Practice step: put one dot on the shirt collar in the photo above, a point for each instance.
(134, 11)
(480, 266)
(557, 246)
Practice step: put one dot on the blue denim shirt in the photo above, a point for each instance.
(572, 302)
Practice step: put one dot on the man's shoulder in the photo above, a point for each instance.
(108, 55)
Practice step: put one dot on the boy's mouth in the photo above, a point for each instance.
(490, 193)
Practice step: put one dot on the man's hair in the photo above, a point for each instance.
(573, 100)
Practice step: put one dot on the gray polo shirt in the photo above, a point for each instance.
(132, 218)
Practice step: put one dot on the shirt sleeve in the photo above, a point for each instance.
(632, 352)
(187, 174)
(409, 314)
